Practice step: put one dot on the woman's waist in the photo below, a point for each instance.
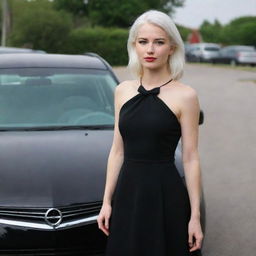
(149, 159)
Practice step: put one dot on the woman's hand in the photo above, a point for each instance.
(195, 235)
(103, 218)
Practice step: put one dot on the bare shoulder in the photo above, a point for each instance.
(186, 93)
(126, 90)
(126, 85)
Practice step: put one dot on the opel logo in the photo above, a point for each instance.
(53, 217)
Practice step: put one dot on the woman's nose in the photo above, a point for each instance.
(150, 48)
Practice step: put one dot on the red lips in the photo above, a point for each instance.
(149, 59)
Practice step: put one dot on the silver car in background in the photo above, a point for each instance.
(236, 54)
(202, 52)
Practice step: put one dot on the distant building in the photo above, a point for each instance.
(194, 37)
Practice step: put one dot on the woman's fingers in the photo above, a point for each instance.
(196, 245)
(190, 240)
(198, 241)
(103, 224)
(99, 220)
(106, 223)
(103, 218)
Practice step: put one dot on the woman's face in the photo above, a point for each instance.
(153, 46)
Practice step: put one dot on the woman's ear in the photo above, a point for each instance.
(172, 49)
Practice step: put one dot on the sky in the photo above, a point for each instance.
(194, 12)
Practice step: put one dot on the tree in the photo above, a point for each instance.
(39, 26)
(115, 13)
(247, 33)
(77, 8)
(240, 31)
(211, 32)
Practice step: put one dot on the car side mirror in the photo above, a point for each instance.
(201, 117)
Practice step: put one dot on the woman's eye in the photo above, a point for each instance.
(142, 42)
(160, 42)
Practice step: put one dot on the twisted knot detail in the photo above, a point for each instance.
(145, 92)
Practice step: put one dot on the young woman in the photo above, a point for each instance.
(147, 210)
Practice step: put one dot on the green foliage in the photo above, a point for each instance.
(110, 43)
(39, 26)
(76, 7)
(247, 33)
(242, 20)
(241, 30)
(122, 13)
(211, 32)
(114, 13)
(184, 32)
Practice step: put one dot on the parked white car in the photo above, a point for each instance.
(202, 52)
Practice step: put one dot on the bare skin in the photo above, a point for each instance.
(153, 41)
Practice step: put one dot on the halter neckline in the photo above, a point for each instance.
(153, 91)
(157, 86)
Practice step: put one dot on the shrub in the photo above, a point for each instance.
(110, 43)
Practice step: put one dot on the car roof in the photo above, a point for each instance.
(26, 60)
(239, 47)
(18, 50)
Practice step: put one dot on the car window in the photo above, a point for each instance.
(211, 48)
(36, 97)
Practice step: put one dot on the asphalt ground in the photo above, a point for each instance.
(227, 147)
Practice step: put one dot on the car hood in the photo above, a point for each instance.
(53, 168)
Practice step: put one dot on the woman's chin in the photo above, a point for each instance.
(151, 66)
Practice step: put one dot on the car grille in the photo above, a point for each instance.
(36, 217)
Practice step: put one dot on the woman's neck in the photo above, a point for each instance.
(153, 78)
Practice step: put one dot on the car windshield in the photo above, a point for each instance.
(55, 98)
(211, 48)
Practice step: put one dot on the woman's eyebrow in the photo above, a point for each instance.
(154, 39)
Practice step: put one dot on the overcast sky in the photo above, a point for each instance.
(194, 12)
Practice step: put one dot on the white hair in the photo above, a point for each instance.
(162, 20)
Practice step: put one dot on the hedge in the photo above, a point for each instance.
(110, 43)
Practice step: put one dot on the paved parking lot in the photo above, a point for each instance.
(227, 145)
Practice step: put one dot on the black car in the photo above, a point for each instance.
(56, 127)
(18, 50)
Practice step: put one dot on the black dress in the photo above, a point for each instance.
(150, 207)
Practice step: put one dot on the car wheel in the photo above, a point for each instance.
(233, 63)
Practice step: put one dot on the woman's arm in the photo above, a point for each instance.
(189, 120)
(115, 160)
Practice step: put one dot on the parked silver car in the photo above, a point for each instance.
(202, 52)
(236, 54)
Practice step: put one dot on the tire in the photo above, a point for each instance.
(233, 63)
